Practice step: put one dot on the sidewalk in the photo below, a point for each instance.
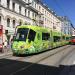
(6, 52)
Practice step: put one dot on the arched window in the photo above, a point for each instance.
(13, 23)
(8, 22)
(20, 23)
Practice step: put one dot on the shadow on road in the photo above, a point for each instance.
(12, 67)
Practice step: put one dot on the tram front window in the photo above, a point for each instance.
(21, 34)
(31, 35)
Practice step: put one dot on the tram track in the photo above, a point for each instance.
(57, 58)
(10, 56)
(18, 58)
(32, 57)
(37, 61)
(62, 60)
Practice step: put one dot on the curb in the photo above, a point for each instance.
(3, 55)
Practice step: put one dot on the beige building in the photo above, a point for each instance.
(49, 18)
(73, 31)
(27, 12)
(13, 13)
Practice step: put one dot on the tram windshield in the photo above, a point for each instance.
(21, 34)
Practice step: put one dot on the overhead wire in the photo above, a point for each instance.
(60, 7)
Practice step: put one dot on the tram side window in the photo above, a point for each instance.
(56, 39)
(67, 38)
(63, 37)
(45, 36)
(31, 36)
(73, 37)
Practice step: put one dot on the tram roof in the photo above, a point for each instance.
(35, 28)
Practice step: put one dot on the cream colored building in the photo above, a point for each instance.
(73, 31)
(13, 13)
(45, 16)
(27, 12)
(48, 17)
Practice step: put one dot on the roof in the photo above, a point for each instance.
(35, 28)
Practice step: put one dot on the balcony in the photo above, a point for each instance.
(28, 5)
(33, 9)
(41, 22)
(54, 27)
(22, 2)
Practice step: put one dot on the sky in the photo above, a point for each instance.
(63, 8)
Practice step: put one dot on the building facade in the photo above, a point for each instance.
(66, 26)
(13, 13)
(26, 12)
(49, 18)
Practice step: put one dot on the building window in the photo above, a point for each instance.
(39, 7)
(8, 22)
(8, 3)
(35, 5)
(0, 1)
(0, 20)
(25, 12)
(28, 13)
(28, 1)
(19, 9)
(13, 6)
(43, 10)
(43, 18)
(13, 23)
(24, 0)
(20, 23)
(32, 3)
(33, 15)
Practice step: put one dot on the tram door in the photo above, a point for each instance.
(1, 37)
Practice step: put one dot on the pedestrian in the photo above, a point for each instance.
(5, 44)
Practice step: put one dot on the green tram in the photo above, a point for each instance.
(34, 39)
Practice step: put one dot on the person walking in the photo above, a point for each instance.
(5, 46)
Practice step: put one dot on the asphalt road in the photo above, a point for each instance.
(58, 61)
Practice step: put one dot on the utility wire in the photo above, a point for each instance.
(61, 9)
